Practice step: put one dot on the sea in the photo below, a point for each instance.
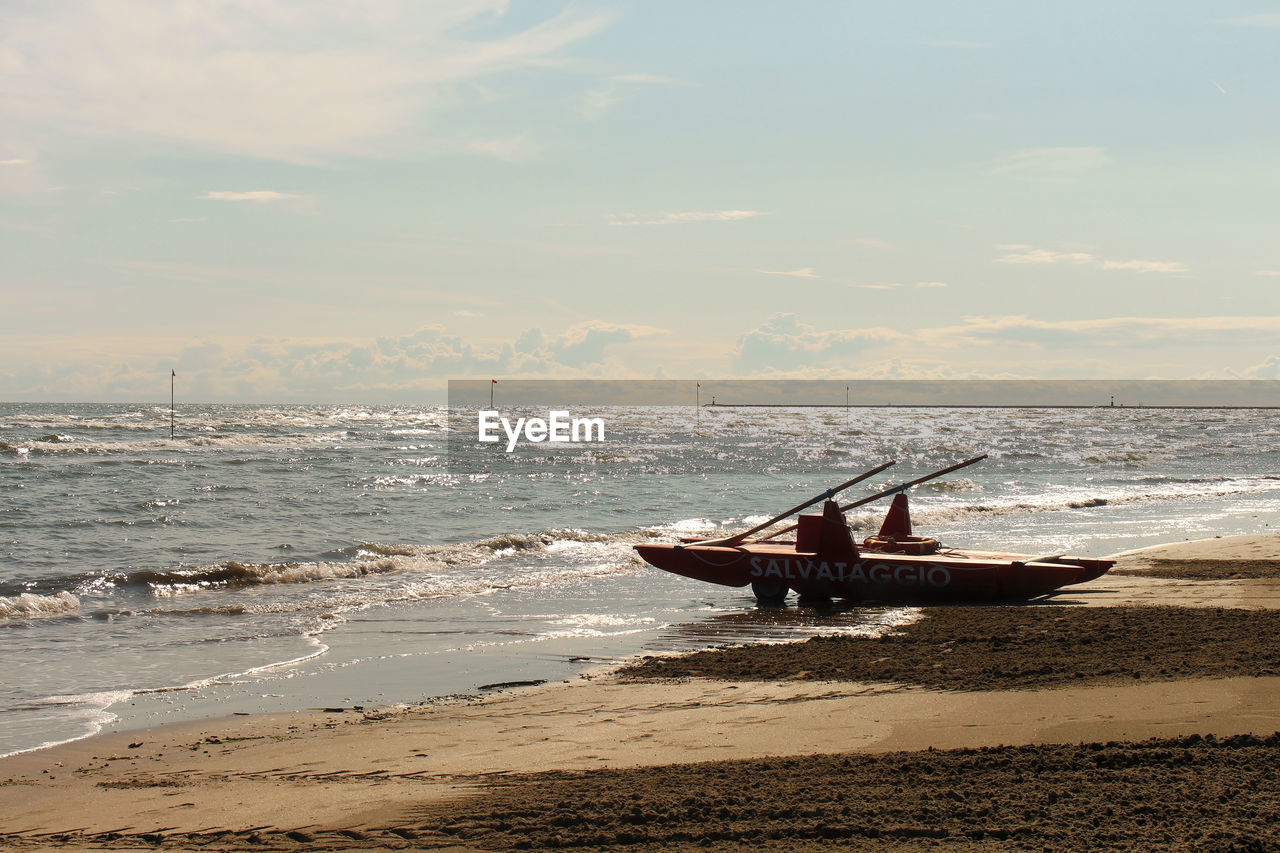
(245, 559)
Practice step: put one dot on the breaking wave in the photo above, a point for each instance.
(964, 484)
(361, 561)
(28, 604)
(935, 514)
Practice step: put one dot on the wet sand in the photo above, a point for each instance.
(998, 648)
(978, 728)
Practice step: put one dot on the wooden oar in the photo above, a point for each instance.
(892, 491)
(827, 495)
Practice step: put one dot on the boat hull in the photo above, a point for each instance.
(951, 575)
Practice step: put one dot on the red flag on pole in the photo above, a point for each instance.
(173, 373)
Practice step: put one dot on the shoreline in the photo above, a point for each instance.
(316, 774)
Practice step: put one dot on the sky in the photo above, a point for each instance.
(325, 201)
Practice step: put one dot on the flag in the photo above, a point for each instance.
(173, 373)
(494, 381)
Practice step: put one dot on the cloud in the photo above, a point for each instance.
(294, 80)
(13, 162)
(886, 286)
(381, 369)
(410, 367)
(1111, 332)
(511, 148)
(1055, 162)
(803, 272)
(618, 89)
(253, 195)
(1021, 254)
(784, 344)
(931, 284)
(584, 345)
(1267, 272)
(1268, 368)
(687, 216)
(1270, 20)
(1003, 346)
(1027, 255)
(1145, 266)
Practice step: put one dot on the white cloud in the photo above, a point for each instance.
(1268, 368)
(380, 369)
(1008, 346)
(253, 195)
(1267, 272)
(885, 286)
(785, 344)
(618, 89)
(597, 102)
(1021, 254)
(1145, 266)
(286, 80)
(13, 162)
(1028, 255)
(931, 284)
(803, 272)
(1055, 162)
(687, 216)
(1116, 332)
(584, 345)
(511, 148)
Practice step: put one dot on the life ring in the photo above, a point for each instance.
(914, 545)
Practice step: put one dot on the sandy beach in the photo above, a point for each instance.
(1140, 710)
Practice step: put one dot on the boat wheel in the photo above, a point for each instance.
(771, 594)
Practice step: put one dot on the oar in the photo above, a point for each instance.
(893, 491)
(827, 495)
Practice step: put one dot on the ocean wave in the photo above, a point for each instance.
(949, 514)
(58, 594)
(963, 484)
(66, 444)
(28, 604)
(416, 587)
(364, 560)
(233, 575)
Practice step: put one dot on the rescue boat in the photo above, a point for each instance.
(823, 561)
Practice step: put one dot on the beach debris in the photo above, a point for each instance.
(506, 685)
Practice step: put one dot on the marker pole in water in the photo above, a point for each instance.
(173, 374)
(697, 402)
(492, 382)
